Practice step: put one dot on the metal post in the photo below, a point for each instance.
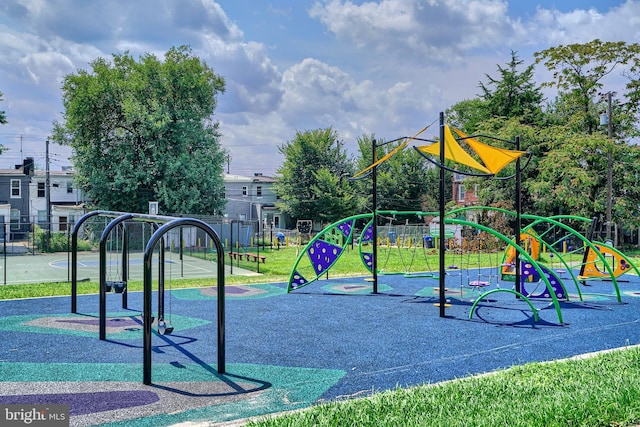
(609, 166)
(5, 252)
(518, 225)
(442, 295)
(374, 225)
(230, 247)
(48, 196)
(125, 267)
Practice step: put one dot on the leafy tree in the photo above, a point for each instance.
(514, 94)
(578, 71)
(509, 106)
(143, 130)
(3, 121)
(3, 115)
(312, 179)
(567, 172)
(468, 115)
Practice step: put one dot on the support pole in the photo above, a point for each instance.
(518, 225)
(442, 242)
(374, 226)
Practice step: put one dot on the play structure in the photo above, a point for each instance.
(414, 255)
(162, 226)
(521, 269)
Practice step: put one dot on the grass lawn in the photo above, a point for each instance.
(603, 390)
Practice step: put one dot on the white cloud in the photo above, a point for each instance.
(553, 27)
(385, 67)
(431, 33)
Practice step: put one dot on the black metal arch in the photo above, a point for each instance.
(147, 298)
(103, 272)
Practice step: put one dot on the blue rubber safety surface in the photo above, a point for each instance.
(331, 340)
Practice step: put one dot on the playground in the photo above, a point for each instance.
(166, 356)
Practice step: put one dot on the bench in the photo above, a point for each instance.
(252, 257)
(255, 257)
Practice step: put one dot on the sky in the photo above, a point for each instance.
(384, 68)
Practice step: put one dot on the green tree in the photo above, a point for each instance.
(468, 115)
(312, 180)
(3, 121)
(578, 73)
(514, 94)
(3, 115)
(143, 130)
(508, 107)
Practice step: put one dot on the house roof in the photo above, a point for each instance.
(257, 177)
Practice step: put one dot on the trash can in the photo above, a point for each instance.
(428, 242)
(392, 237)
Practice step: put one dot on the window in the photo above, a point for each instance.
(62, 223)
(259, 191)
(41, 192)
(69, 187)
(244, 190)
(15, 188)
(42, 218)
(15, 219)
(461, 192)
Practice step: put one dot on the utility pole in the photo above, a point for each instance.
(47, 187)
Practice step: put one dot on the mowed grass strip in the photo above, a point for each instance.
(603, 390)
(280, 262)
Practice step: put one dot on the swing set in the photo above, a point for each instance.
(157, 239)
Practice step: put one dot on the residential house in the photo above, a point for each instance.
(252, 198)
(464, 195)
(14, 200)
(66, 201)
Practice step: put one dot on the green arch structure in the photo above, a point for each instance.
(616, 251)
(553, 220)
(523, 252)
(324, 250)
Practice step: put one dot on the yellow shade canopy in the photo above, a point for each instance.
(495, 159)
(453, 152)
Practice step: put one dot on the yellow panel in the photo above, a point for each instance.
(453, 152)
(495, 159)
(391, 153)
(386, 157)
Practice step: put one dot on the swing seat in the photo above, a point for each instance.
(118, 286)
(478, 284)
(164, 328)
